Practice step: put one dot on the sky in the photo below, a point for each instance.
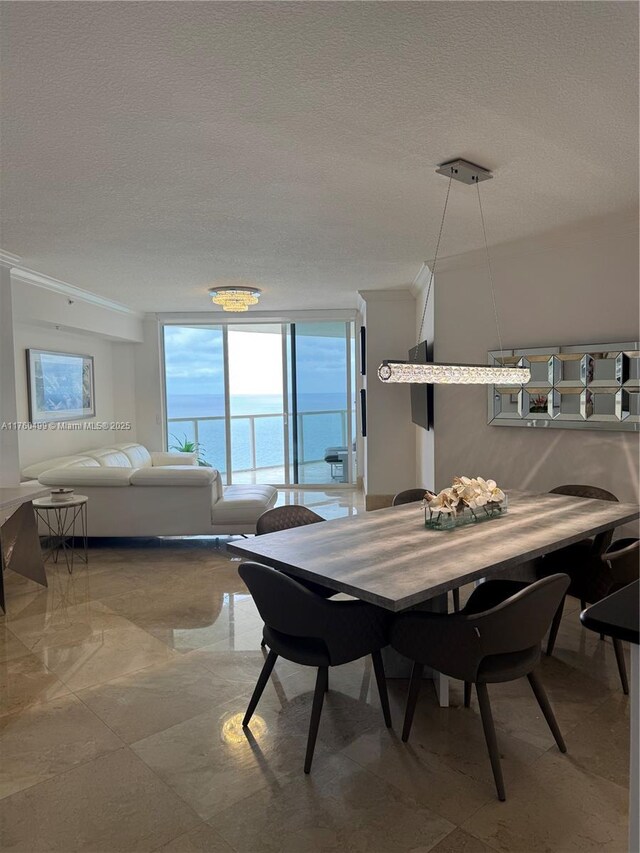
(194, 361)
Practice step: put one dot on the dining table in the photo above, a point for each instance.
(390, 558)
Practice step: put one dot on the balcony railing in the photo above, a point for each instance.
(267, 450)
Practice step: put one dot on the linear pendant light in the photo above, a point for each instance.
(452, 374)
(457, 374)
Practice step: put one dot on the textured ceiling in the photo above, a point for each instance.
(153, 149)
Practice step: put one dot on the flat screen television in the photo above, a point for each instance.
(422, 395)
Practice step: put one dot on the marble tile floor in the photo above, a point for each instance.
(122, 691)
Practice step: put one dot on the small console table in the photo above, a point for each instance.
(61, 519)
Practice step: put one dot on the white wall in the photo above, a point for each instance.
(390, 446)
(425, 439)
(44, 319)
(576, 286)
(150, 386)
(9, 463)
(114, 393)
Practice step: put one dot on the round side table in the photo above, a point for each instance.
(61, 519)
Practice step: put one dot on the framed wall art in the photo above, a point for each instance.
(60, 386)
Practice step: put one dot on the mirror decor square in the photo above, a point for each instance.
(591, 386)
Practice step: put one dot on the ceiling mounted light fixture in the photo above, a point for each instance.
(234, 298)
(457, 374)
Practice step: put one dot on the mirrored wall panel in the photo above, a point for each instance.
(593, 386)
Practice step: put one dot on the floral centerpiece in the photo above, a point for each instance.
(466, 501)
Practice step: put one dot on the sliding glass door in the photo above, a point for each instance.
(256, 403)
(264, 402)
(194, 368)
(320, 403)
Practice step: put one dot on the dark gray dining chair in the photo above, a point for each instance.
(307, 629)
(616, 568)
(284, 518)
(495, 638)
(601, 542)
(575, 559)
(409, 496)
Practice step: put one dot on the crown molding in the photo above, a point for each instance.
(220, 318)
(70, 291)
(9, 260)
(421, 280)
(400, 294)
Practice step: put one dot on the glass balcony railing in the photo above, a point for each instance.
(257, 441)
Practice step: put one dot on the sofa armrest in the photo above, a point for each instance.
(158, 459)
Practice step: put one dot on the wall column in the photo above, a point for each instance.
(390, 445)
(9, 455)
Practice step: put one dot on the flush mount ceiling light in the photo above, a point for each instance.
(457, 374)
(234, 298)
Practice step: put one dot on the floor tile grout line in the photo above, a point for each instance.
(73, 766)
(177, 794)
(126, 747)
(430, 807)
(99, 683)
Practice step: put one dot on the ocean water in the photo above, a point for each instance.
(320, 425)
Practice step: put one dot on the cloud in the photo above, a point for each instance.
(194, 362)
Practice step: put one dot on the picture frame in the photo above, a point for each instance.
(60, 386)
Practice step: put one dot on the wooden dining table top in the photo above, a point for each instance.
(389, 558)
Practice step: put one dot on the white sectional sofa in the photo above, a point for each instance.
(133, 492)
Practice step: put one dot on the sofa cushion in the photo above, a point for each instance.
(137, 454)
(159, 458)
(174, 475)
(243, 504)
(109, 457)
(98, 476)
(32, 472)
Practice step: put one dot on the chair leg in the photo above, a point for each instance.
(412, 698)
(622, 667)
(547, 710)
(490, 737)
(316, 711)
(263, 643)
(555, 627)
(378, 668)
(455, 594)
(467, 694)
(272, 657)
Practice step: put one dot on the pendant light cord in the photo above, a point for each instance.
(491, 286)
(433, 267)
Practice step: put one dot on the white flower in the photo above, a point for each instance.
(445, 501)
(497, 495)
(475, 492)
(476, 499)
